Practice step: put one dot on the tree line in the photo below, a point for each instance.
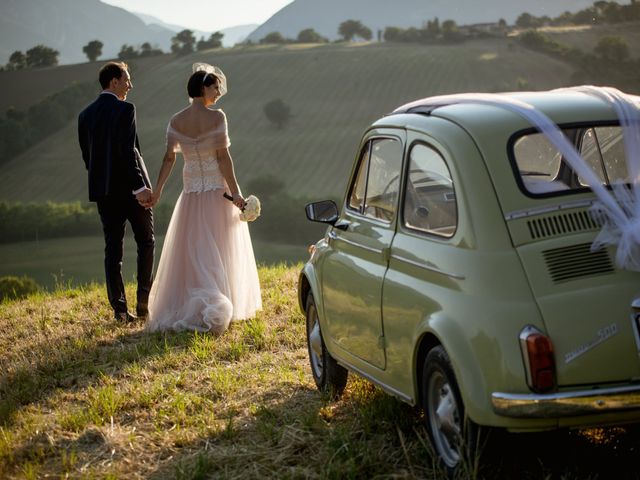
(182, 43)
(601, 13)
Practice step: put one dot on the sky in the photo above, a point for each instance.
(206, 15)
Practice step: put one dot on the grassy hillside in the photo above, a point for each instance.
(334, 92)
(23, 88)
(586, 37)
(82, 396)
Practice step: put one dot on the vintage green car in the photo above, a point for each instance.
(458, 272)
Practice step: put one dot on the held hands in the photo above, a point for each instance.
(145, 198)
(155, 197)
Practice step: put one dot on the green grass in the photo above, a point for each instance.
(334, 91)
(79, 260)
(84, 397)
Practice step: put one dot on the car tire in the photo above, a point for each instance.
(454, 437)
(330, 377)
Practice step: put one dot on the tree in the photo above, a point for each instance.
(183, 42)
(432, 29)
(365, 33)
(350, 29)
(309, 35)
(450, 31)
(127, 52)
(612, 48)
(273, 37)
(17, 61)
(42, 56)
(93, 50)
(277, 112)
(393, 34)
(526, 20)
(214, 41)
(146, 50)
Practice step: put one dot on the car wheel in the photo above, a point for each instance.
(330, 377)
(454, 438)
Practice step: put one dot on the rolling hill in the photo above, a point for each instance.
(334, 92)
(326, 16)
(68, 25)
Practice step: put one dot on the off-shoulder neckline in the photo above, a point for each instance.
(203, 134)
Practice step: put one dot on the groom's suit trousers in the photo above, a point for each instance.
(114, 214)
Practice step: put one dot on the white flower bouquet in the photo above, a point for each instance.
(251, 210)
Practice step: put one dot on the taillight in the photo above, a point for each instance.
(537, 353)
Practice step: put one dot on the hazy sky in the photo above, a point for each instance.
(208, 15)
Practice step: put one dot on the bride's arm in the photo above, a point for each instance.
(226, 168)
(165, 170)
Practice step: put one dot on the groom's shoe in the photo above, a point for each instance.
(142, 311)
(124, 317)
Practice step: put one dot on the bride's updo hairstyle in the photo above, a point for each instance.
(198, 81)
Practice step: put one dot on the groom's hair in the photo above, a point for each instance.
(196, 83)
(109, 71)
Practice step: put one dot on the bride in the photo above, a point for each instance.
(207, 274)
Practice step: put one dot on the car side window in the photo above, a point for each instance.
(430, 199)
(358, 190)
(375, 190)
(383, 183)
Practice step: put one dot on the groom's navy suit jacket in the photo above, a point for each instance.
(110, 148)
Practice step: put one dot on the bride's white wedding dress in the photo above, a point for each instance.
(207, 274)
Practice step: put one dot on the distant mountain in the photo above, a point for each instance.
(68, 25)
(232, 35)
(326, 16)
(237, 34)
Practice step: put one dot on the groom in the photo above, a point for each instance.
(119, 183)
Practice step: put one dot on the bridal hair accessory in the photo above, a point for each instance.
(211, 69)
(251, 210)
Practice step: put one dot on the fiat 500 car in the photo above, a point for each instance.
(465, 269)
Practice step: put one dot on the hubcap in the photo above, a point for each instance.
(315, 344)
(444, 419)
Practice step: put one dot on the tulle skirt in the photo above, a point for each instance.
(207, 275)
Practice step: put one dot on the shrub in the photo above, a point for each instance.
(273, 38)
(309, 35)
(16, 287)
(277, 112)
(612, 48)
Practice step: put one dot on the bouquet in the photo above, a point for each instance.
(251, 210)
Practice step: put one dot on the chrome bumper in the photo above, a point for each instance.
(567, 404)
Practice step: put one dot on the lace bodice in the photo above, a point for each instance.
(200, 172)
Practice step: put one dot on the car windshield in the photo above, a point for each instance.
(543, 170)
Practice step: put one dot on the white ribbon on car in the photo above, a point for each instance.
(620, 207)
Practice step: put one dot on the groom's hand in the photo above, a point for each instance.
(145, 198)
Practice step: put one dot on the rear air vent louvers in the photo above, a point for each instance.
(563, 223)
(577, 261)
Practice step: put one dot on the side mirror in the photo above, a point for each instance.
(325, 211)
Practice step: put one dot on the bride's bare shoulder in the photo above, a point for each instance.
(217, 115)
(177, 117)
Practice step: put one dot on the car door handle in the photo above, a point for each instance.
(333, 235)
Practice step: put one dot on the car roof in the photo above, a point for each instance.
(561, 106)
(491, 127)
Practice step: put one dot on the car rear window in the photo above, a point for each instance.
(543, 170)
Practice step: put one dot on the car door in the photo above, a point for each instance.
(354, 271)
